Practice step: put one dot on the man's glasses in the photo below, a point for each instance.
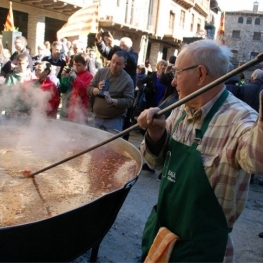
(179, 71)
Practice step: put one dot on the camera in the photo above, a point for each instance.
(105, 88)
(104, 34)
(67, 69)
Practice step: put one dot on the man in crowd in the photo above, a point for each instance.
(55, 58)
(108, 49)
(114, 93)
(249, 92)
(20, 46)
(207, 147)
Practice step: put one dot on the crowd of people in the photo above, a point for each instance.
(207, 148)
(107, 86)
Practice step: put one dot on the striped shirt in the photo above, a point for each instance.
(231, 149)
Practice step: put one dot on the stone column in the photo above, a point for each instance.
(36, 31)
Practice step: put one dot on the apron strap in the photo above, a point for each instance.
(200, 132)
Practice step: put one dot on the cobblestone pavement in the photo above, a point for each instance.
(122, 243)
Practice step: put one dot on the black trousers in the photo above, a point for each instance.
(127, 123)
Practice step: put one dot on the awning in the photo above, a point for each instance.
(83, 22)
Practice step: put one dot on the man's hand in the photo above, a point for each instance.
(107, 97)
(73, 74)
(109, 40)
(99, 36)
(154, 126)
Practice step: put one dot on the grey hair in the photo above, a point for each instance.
(208, 53)
(127, 41)
(257, 74)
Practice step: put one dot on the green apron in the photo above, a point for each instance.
(187, 205)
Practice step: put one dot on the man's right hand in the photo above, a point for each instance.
(99, 36)
(155, 126)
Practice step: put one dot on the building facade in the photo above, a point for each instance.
(158, 28)
(243, 33)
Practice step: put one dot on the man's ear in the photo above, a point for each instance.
(202, 71)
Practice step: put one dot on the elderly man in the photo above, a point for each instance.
(207, 148)
(20, 46)
(249, 92)
(114, 94)
(108, 49)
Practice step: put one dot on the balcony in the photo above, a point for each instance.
(186, 3)
(66, 7)
(131, 18)
(202, 6)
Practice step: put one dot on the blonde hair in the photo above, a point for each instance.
(161, 62)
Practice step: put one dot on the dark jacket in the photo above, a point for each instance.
(59, 63)
(132, 58)
(249, 93)
(232, 85)
(167, 79)
(149, 90)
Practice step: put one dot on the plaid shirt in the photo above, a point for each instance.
(231, 149)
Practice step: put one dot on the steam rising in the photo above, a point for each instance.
(47, 138)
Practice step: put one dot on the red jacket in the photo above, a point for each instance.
(79, 100)
(53, 103)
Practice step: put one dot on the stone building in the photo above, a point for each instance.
(243, 33)
(158, 28)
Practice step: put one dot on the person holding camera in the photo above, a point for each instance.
(74, 84)
(107, 47)
(113, 92)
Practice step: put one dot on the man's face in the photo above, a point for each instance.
(19, 45)
(22, 65)
(40, 71)
(79, 67)
(117, 64)
(56, 51)
(92, 54)
(77, 48)
(41, 51)
(186, 81)
(123, 46)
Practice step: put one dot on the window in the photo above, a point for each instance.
(165, 51)
(253, 55)
(171, 21)
(182, 18)
(235, 54)
(257, 36)
(198, 25)
(249, 20)
(236, 34)
(192, 23)
(240, 20)
(257, 21)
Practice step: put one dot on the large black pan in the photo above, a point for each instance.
(67, 235)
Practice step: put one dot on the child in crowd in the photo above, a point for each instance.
(74, 85)
(50, 102)
(16, 85)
